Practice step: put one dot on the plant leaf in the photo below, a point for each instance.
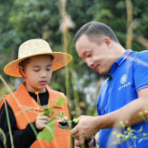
(145, 138)
(48, 132)
(60, 102)
(132, 131)
(127, 137)
(46, 113)
(52, 119)
(140, 130)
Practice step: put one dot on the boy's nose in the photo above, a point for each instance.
(43, 74)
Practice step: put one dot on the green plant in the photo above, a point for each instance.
(48, 132)
(3, 137)
(135, 135)
(61, 115)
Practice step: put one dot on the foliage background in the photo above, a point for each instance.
(23, 20)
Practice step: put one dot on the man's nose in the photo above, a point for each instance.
(89, 63)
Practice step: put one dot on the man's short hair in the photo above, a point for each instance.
(95, 31)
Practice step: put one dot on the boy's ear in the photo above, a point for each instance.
(22, 72)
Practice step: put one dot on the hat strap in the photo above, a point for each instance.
(22, 72)
(38, 98)
(24, 75)
(36, 93)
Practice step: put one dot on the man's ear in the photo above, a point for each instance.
(107, 41)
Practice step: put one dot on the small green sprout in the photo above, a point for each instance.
(61, 115)
(122, 124)
(48, 132)
(125, 132)
(141, 115)
(119, 136)
(146, 111)
(140, 130)
(48, 111)
(134, 137)
(117, 141)
(126, 122)
(114, 133)
(127, 137)
(128, 129)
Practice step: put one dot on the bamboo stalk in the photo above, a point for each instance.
(75, 88)
(129, 36)
(65, 42)
(142, 40)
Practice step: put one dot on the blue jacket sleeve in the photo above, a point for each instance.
(141, 71)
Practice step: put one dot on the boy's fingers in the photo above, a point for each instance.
(40, 114)
(91, 143)
(43, 122)
(43, 118)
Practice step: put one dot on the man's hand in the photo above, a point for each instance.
(84, 129)
(41, 121)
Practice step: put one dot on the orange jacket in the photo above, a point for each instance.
(21, 100)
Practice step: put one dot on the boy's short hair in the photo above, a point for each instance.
(95, 31)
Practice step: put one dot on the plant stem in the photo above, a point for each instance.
(133, 142)
(9, 126)
(127, 143)
(3, 137)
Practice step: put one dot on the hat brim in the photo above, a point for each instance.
(60, 60)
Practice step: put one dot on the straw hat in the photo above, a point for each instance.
(35, 47)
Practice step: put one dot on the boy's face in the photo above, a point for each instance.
(38, 71)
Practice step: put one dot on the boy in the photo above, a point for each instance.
(35, 64)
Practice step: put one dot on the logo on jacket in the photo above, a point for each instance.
(123, 79)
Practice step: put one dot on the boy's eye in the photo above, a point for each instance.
(36, 70)
(48, 69)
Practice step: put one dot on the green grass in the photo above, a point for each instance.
(4, 90)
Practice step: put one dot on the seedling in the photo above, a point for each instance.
(48, 132)
(130, 133)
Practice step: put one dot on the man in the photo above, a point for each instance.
(122, 96)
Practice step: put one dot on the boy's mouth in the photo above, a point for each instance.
(42, 82)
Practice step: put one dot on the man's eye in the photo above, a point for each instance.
(48, 69)
(89, 55)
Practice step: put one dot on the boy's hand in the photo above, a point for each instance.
(41, 121)
(92, 142)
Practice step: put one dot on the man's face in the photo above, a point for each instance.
(38, 71)
(96, 56)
